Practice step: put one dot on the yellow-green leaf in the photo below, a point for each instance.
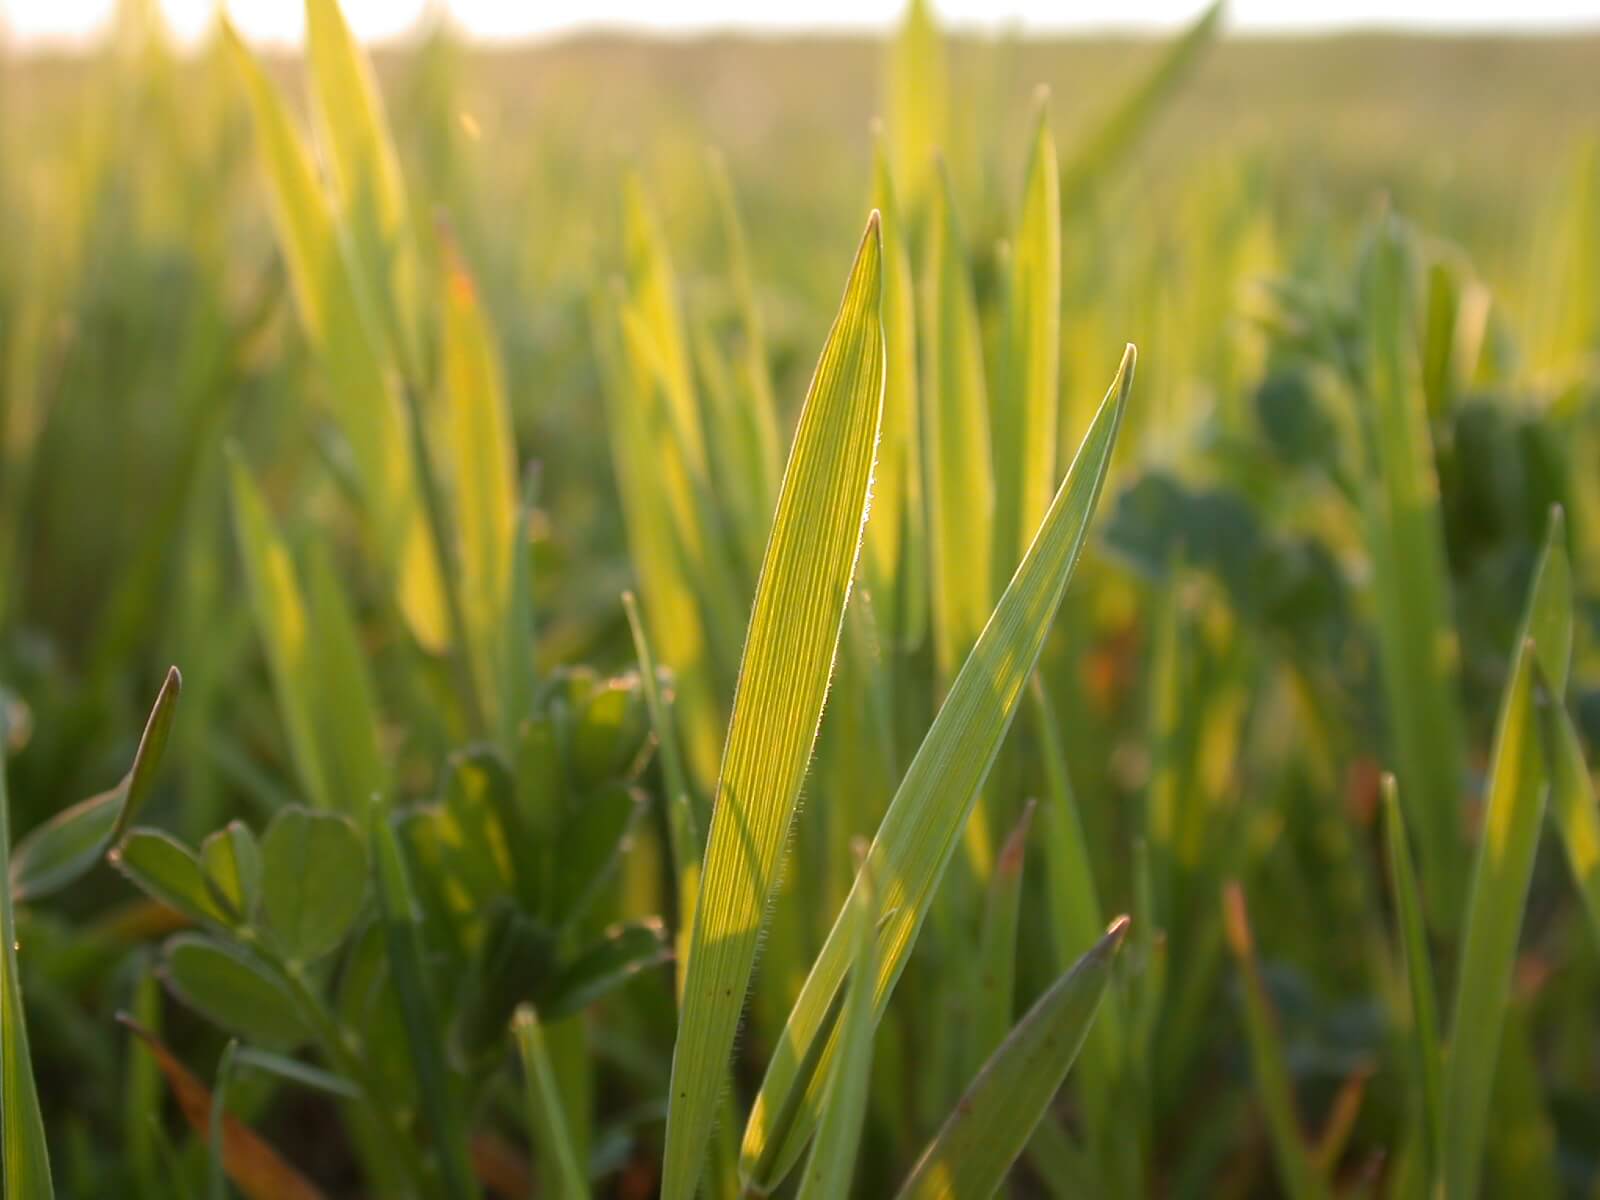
(783, 682)
(924, 823)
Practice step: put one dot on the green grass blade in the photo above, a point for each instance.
(1572, 799)
(1418, 649)
(401, 922)
(924, 823)
(896, 562)
(995, 1118)
(1495, 903)
(917, 104)
(1297, 1173)
(339, 324)
(285, 628)
(828, 1171)
(561, 1172)
(1117, 132)
(482, 453)
(344, 696)
(24, 1156)
(1424, 1039)
(960, 474)
(1027, 408)
(997, 945)
(783, 681)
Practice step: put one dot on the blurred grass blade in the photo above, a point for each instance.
(1405, 537)
(924, 823)
(483, 458)
(218, 1174)
(917, 104)
(758, 408)
(401, 922)
(1297, 1173)
(1116, 133)
(560, 1171)
(997, 945)
(70, 843)
(960, 474)
(285, 628)
(347, 722)
(364, 166)
(684, 842)
(1494, 916)
(997, 1115)
(1424, 1039)
(1027, 406)
(361, 388)
(896, 550)
(833, 1155)
(1577, 816)
(24, 1156)
(256, 1169)
(783, 682)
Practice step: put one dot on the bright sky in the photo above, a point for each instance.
(283, 20)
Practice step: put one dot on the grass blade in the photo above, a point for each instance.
(483, 456)
(783, 680)
(833, 1155)
(1027, 408)
(897, 542)
(923, 825)
(995, 1118)
(1572, 799)
(960, 479)
(1424, 1039)
(561, 1172)
(24, 1155)
(1405, 537)
(280, 612)
(997, 944)
(917, 104)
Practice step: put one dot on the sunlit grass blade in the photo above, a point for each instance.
(1504, 868)
(24, 1156)
(896, 551)
(69, 844)
(917, 104)
(1417, 642)
(284, 625)
(1424, 1033)
(361, 390)
(344, 699)
(758, 409)
(482, 453)
(1297, 1173)
(960, 473)
(832, 1163)
(1027, 403)
(924, 823)
(783, 681)
(969, 1158)
(364, 166)
(561, 1172)
(1120, 128)
(255, 1168)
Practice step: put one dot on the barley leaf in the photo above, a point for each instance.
(783, 681)
(925, 820)
(560, 1170)
(997, 1114)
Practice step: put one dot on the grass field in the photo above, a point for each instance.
(693, 622)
